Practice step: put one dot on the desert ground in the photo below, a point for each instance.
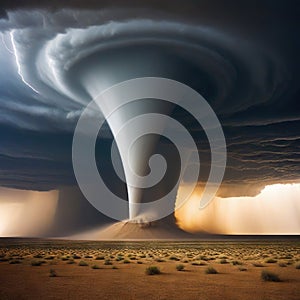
(62, 269)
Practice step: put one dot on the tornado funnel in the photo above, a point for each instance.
(136, 148)
(137, 120)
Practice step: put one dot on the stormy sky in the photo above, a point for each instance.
(241, 56)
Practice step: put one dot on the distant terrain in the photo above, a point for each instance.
(65, 269)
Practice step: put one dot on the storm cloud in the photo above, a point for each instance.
(244, 60)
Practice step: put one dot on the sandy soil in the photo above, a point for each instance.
(129, 281)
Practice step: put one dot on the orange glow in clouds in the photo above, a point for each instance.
(275, 210)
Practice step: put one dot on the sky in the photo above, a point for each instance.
(243, 58)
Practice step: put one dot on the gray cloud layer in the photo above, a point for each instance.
(245, 63)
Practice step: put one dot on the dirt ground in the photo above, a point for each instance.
(120, 270)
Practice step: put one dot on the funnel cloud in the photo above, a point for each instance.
(243, 59)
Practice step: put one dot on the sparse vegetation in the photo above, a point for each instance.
(168, 257)
(52, 273)
(2, 259)
(201, 263)
(271, 261)
(36, 263)
(211, 270)
(258, 265)
(269, 276)
(70, 262)
(51, 257)
(132, 258)
(95, 267)
(223, 261)
(203, 257)
(82, 263)
(153, 270)
(282, 265)
(64, 258)
(14, 262)
(107, 262)
(119, 258)
(174, 258)
(180, 267)
(100, 258)
(236, 263)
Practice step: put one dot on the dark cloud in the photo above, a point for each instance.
(243, 58)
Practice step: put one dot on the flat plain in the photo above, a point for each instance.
(225, 269)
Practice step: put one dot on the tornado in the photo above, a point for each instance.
(135, 153)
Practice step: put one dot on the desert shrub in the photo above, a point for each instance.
(269, 276)
(297, 266)
(119, 258)
(223, 261)
(36, 263)
(203, 257)
(75, 256)
(52, 273)
(51, 257)
(38, 256)
(64, 258)
(107, 262)
(14, 262)
(289, 256)
(242, 269)
(70, 262)
(139, 262)
(159, 260)
(126, 261)
(100, 258)
(153, 270)
(271, 261)
(95, 267)
(195, 263)
(258, 265)
(114, 267)
(174, 258)
(236, 263)
(88, 256)
(180, 267)
(282, 264)
(4, 259)
(211, 270)
(82, 263)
